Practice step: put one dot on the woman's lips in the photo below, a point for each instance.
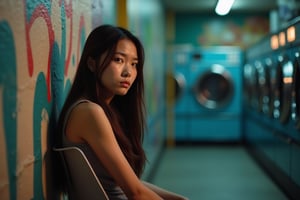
(125, 84)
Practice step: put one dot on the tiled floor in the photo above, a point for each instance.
(214, 173)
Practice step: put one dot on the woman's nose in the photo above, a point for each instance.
(126, 73)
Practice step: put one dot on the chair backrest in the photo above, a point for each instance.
(83, 184)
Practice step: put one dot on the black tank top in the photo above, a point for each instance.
(114, 192)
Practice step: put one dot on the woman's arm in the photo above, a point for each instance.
(165, 194)
(88, 123)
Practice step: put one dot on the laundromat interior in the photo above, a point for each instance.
(222, 92)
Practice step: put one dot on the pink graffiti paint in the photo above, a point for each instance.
(39, 11)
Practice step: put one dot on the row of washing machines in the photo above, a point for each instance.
(208, 83)
(271, 91)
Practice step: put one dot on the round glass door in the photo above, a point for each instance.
(262, 87)
(287, 90)
(276, 88)
(249, 84)
(175, 86)
(214, 89)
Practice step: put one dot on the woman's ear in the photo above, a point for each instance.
(91, 63)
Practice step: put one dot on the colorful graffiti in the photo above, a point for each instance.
(40, 45)
(8, 95)
(41, 42)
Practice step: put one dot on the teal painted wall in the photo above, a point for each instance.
(146, 19)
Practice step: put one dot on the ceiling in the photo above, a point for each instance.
(209, 5)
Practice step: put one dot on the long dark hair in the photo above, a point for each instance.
(125, 113)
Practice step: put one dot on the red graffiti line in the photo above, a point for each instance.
(39, 11)
(68, 9)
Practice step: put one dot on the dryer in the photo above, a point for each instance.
(216, 81)
(209, 109)
(178, 79)
(273, 131)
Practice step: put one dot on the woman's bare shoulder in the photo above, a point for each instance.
(87, 118)
(88, 108)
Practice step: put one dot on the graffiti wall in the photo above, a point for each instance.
(40, 45)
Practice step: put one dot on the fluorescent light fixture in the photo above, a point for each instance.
(223, 6)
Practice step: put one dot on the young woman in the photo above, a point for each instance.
(104, 113)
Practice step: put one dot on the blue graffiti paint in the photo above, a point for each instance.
(40, 104)
(8, 81)
(73, 60)
(63, 34)
(53, 107)
(32, 5)
(59, 92)
(57, 79)
(82, 39)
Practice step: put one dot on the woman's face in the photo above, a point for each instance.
(121, 72)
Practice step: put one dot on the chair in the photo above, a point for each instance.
(83, 184)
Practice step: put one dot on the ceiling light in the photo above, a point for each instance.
(223, 6)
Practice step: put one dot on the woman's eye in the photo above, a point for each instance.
(117, 59)
(134, 64)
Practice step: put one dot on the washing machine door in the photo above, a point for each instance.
(214, 89)
(260, 84)
(175, 86)
(276, 78)
(249, 84)
(263, 85)
(286, 90)
(266, 91)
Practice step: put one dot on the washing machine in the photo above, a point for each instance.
(295, 84)
(260, 74)
(248, 82)
(250, 85)
(209, 109)
(177, 88)
(216, 83)
(282, 75)
(286, 76)
(272, 122)
(256, 83)
(275, 74)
